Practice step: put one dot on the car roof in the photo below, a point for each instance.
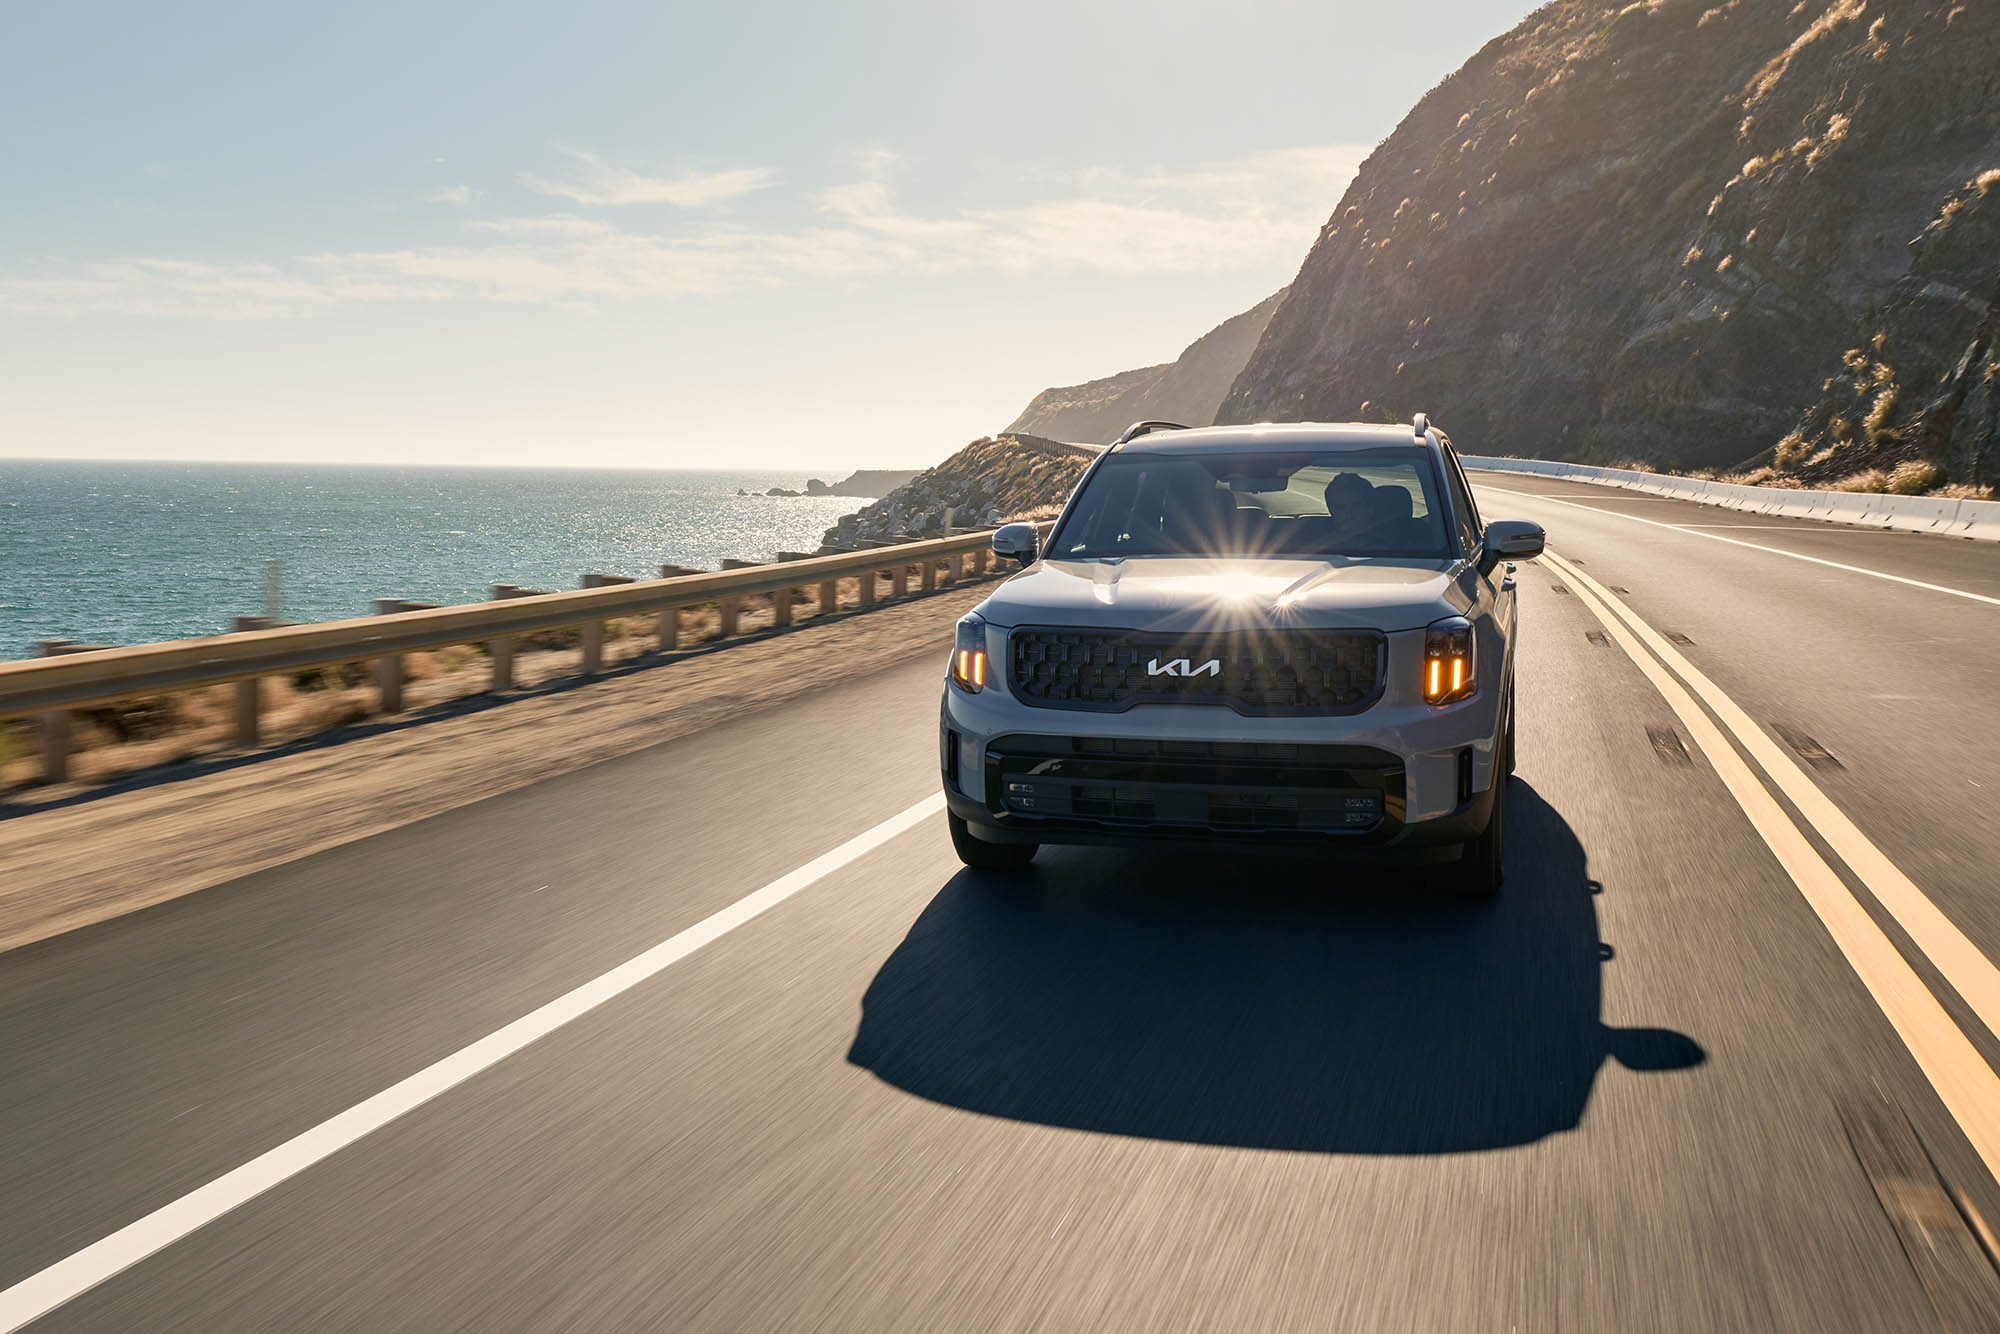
(1280, 435)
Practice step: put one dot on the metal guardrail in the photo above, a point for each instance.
(51, 686)
(1916, 514)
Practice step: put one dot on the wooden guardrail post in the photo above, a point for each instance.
(829, 597)
(930, 574)
(54, 727)
(670, 617)
(729, 607)
(500, 648)
(593, 631)
(249, 691)
(900, 581)
(389, 667)
(980, 559)
(781, 606)
(868, 588)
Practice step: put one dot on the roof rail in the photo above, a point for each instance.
(1421, 425)
(1137, 429)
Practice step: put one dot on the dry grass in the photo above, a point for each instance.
(1874, 481)
(1877, 421)
(1964, 491)
(1915, 477)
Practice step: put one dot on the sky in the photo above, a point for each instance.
(784, 235)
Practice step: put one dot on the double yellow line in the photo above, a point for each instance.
(1967, 1084)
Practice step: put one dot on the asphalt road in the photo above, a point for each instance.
(1132, 1091)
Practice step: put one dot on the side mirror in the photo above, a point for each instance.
(1510, 539)
(1019, 541)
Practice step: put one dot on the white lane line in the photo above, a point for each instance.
(1754, 546)
(1809, 525)
(40, 1293)
(1969, 971)
(1964, 1082)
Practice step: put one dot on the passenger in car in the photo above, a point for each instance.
(1395, 528)
(1350, 507)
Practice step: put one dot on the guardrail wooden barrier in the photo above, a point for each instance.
(72, 676)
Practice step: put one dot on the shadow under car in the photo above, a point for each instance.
(1281, 1003)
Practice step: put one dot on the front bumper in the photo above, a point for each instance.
(1397, 775)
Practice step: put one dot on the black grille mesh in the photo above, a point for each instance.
(1256, 671)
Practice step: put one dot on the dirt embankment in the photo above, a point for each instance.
(84, 851)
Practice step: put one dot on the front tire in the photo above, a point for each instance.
(980, 855)
(1480, 866)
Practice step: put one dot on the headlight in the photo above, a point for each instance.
(968, 654)
(1448, 674)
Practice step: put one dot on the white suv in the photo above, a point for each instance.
(1293, 633)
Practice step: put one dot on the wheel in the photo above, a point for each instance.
(1478, 872)
(980, 855)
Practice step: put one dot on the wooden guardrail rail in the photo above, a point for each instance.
(50, 686)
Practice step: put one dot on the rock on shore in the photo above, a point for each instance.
(867, 483)
(990, 481)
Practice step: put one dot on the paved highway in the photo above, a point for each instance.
(718, 1036)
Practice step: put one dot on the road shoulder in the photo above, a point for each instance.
(114, 850)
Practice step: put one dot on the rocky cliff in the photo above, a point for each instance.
(1678, 231)
(988, 482)
(1187, 389)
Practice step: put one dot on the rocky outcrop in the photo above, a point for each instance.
(1668, 231)
(988, 482)
(868, 482)
(1186, 390)
(1919, 400)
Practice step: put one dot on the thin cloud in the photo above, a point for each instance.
(457, 196)
(601, 184)
(1257, 212)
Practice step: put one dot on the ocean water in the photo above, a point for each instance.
(127, 553)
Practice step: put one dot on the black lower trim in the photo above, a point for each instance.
(1059, 786)
(1461, 825)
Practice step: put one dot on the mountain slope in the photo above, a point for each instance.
(1652, 231)
(1187, 389)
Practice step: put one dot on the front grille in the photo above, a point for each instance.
(1213, 787)
(1256, 672)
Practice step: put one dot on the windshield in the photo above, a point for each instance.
(1230, 503)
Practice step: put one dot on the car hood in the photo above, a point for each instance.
(1175, 593)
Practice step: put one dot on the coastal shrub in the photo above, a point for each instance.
(340, 676)
(1789, 451)
(1914, 477)
(142, 719)
(1874, 480)
(1877, 421)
